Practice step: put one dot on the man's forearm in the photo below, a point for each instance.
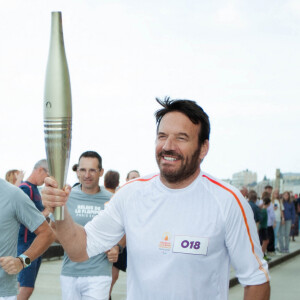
(72, 237)
(257, 292)
(44, 238)
(122, 242)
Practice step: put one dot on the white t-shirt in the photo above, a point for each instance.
(277, 210)
(180, 242)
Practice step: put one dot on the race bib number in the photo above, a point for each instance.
(190, 245)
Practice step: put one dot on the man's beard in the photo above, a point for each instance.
(185, 171)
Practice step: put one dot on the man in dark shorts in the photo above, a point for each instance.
(28, 276)
(263, 226)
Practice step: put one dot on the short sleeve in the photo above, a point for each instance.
(243, 244)
(106, 229)
(26, 212)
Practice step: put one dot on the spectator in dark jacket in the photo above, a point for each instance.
(252, 196)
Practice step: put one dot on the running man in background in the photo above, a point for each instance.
(90, 279)
(183, 227)
(15, 209)
(27, 277)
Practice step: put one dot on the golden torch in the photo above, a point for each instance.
(57, 109)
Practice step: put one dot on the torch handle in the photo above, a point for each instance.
(59, 213)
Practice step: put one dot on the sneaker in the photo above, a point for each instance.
(266, 258)
(271, 253)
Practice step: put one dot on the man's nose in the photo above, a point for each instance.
(87, 173)
(169, 144)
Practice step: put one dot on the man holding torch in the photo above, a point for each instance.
(183, 227)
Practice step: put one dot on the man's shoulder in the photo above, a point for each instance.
(28, 187)
(139, 184)
(14, 199)
(219, 185)
(150, 178)
(254, 206)
(77, 193)
(227, 196)
(251, 203)
(10, 191)
(104, 193)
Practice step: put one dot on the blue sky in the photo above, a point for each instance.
(240, 60)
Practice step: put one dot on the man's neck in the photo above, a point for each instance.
(181, 184)
(91, 191)
(31, 179)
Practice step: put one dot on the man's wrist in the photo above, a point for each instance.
(26, 261)
(121, 249)
(20, 259)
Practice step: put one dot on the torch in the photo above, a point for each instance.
(57, 109)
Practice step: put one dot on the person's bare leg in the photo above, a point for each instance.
(264, 246)
(25, 293)
(115, 276)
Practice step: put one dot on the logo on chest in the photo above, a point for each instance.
(165, 244)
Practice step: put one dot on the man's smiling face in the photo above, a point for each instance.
(178, 153)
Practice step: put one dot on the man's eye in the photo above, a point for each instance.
(161, 137)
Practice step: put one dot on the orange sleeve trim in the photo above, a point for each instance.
(139, 179)
(245, 221)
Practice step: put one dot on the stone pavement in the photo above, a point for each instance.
(48, 285)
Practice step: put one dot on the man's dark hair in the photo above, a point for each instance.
(252, 196)
(92, 154)
(266, 201)
(111, 179)
(265, 194)
(268, 187)
(75, 167)
(189, 108)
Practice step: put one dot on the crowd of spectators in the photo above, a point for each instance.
(277, 218)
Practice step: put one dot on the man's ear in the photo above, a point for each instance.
(101, 172)
(204, 149)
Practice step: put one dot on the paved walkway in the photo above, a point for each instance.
(284, 282)
(48, 285)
